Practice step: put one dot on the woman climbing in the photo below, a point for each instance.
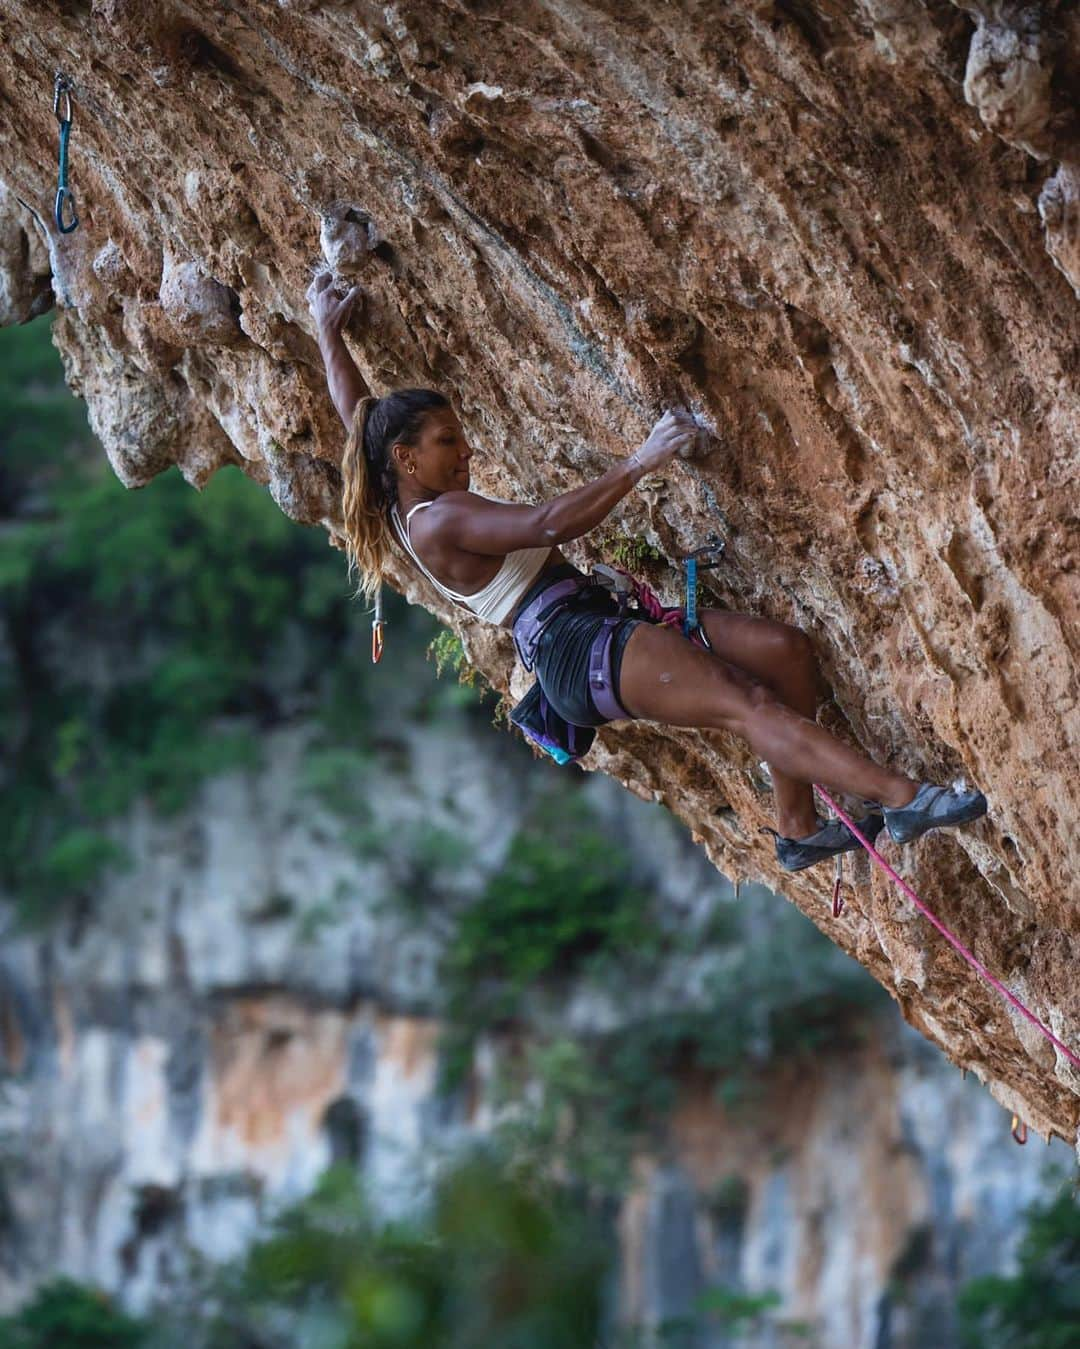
(405, 471)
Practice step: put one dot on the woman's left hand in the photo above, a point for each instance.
(330, 310)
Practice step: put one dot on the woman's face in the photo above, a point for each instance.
(442, 460)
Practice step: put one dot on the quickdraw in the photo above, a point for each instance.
(1019, 1130)
(627, 590)
(705, 558)
(377, 626)
(63, 86)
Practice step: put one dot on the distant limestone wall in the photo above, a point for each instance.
(847, 236)
(247, 1004)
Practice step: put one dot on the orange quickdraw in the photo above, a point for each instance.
(377, 629)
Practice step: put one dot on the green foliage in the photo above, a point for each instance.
(503, 1255)
(471, 690)
(562, 893)
(447, 651)
(501, 1258)
(1039, 1306)
(715, 1307)
(142, 634)
(339, 775)
(67, 1315)
(631, 553)
(562, 896)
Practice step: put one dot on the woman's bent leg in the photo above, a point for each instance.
(782, 657)
(666, 678)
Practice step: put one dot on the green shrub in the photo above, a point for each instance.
(632, 554)
(500, 1257)
(564, 905)
(67, 1315)
(471, 690)
(562, 894)
(562, 899)
(1039, 1306)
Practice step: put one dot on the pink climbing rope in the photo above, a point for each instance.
(1073, 1058)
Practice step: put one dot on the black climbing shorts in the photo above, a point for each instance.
(562, 654)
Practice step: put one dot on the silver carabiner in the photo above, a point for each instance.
(62, 86)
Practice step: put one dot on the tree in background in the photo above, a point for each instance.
(1039, 1306)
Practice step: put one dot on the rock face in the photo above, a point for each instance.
(844, 235)
(223, 1028)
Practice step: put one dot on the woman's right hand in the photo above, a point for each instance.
(674, 432)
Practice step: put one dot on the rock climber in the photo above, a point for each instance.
(406, 476)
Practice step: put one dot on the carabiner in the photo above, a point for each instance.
(837, 902)
(708, 555)
(377, 629)
(1018, 1123)
(63, 86)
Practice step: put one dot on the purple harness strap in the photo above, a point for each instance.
(527, 625)
(601, 681)
(527, 629)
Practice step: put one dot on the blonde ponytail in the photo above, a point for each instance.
(367, 532)
(369, 479)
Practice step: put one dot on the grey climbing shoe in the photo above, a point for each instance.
(833, 837)
(932, 808)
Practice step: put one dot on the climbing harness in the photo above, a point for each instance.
(531, 622)
(534, 716)
(1073, 1058)
(63, 86)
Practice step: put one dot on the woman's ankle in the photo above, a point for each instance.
(796, 827)
(902, 794)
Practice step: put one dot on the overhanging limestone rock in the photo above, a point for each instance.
(844, 235)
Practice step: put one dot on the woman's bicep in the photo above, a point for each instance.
(479, 525)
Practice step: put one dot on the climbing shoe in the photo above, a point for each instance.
(932, 808)
(833, 837)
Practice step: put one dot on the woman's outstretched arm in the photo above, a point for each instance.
(331, 313)
(342, 377)
(478, 525)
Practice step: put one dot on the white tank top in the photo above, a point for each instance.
(498, 598)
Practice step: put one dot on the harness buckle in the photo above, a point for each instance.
(622, 587)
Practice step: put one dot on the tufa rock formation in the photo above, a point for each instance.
(846, 235)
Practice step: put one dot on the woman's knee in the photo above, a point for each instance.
(746, 698)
